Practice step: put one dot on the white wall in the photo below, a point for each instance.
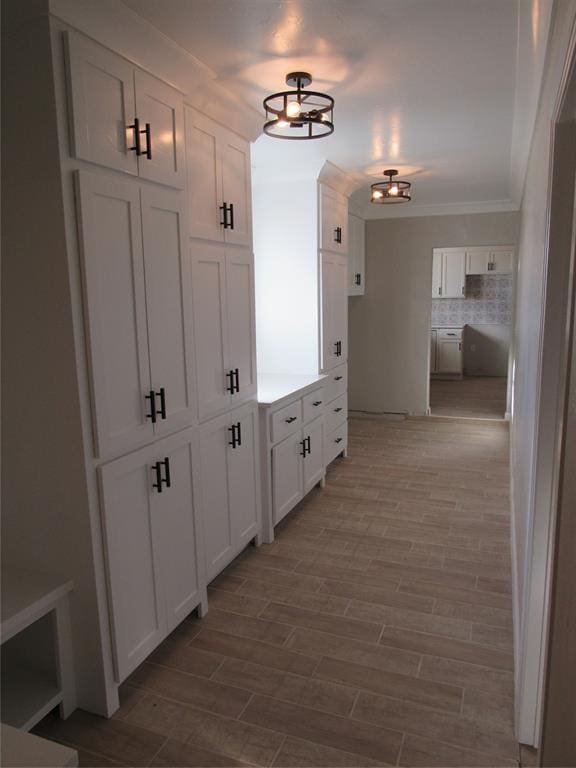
(389, 325)
(486, 349)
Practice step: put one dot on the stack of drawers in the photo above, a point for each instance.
(336, 413)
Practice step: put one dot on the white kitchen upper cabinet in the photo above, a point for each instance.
(477, 262)
(356, 255)
(448, 273)
(314, 467)
(160, 111)
(229, 486)
(132, 538)
(113, 270)
(334, 310)
(489, 260)
(102, 103)
(236, 189)
(219, 186)
(333, 220)
(169, 308)
(214, 378)
(287, 475)
(241, 322)
(502, 261)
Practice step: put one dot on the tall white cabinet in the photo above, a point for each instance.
(133, 423)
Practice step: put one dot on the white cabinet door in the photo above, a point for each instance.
(241, 321)
(160, 112)
(436, 274)
(102, 105)
(132, 535)
(333, 220)
(356, 256)
(113, 272)
(334, 310)
(453, 274)
(449, 356)
(287, 475)
(502, 262)
(477, 262)
(210, 326)
(236, 189)
(204, 181)
(314, 461)
(169, 308)
(243, 477)
(178, 530)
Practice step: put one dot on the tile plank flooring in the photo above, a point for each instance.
(482, 397)
(376, 630)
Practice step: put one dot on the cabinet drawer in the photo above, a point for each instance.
(336, 383)
(335, 442)
(312, 405)
(450, 334)
(336, 412)
(285, 421)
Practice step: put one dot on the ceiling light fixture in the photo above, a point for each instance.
(391, 191)
(299, 114)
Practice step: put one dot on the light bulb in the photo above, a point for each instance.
(281, 123)
(293, 109)
(377, 193)
(394, 190)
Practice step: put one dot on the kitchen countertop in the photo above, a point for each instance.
(274, 387)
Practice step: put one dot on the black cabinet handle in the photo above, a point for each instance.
(308, 447)
(358, 278)
(338, 345)
(239, 428)
(227, 223)
(167, 481)
(290, 419)
(338, 440)
(148, 133)
(152, 397)
(157, 469)
(231, 386)
(338, 235)
(337, 410)
(137, 145)
(303, 444)
(338, 378)
(231, 209)
(316, 403)
(237, 379)
(236, 430)
(162, 403)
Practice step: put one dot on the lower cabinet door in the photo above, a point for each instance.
(287, 475)
(132, 537)
(449, 356)
(314, 460)
(244, 477)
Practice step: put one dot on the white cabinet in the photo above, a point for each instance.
(433, 348)
(448, 273)
(224, 325)
(138, 316)
(229, 486)
(334, 310)
(152, 546)
(489, 261)
(446, 351)
(122, 117)
(218, 184)
(333, 220)
(356, 255)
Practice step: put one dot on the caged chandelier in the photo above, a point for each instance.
(298, 113)
(391, 191)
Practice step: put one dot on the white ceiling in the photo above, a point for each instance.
(425, 86)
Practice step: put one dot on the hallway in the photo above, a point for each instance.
(376, 630)
(481, 397)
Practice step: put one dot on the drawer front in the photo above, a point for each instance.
(450, 334)
(336, 412)
(312, 405)
(335, 442)
(336, 383)
(286, 421)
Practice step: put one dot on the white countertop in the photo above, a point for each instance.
(273, 387)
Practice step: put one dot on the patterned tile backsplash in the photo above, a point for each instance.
(488, 300)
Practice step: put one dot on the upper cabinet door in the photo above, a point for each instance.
(333, 220)
(241, 322)
(477, 262)
(436, 274)
(113, 272)
(179, 530)
(356, 256)
(214, 378)
(161, 114)
(204, 181)
(334, 310)
(502, 262)
(102, 102)
(132, 532)
(236, 189)
(243, 476)
(169, 309)
(453, 274)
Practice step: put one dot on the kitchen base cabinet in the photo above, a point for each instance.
(153, 546)
(336, 443)
(336, 413)
(229, 481)
(446, 356)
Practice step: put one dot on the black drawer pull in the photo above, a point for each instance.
(338, 378)
(162, 402)
(237, 379)
(337, 410)
(152, 397)
(316, 403)
(236, 431)
(157, 469)
(291, 419)
(167, 481)
(338, 440)
(358, 278)
(308, 446)
(137, 145)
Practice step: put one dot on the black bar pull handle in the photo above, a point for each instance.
(230, 388)
(338, 235)
(338, 378)
(338, 440)
(337, 410)
(236, 380)
(358, 278)
(162, 394)
(225, 210)
(239, 433)
(167, 481)
(231, 209)
(137, 146)
(308, 446)
(290, 419)
(148, 133)
(157, 469)
(234, 441)
(152, 397)
(303, 444)
(316, 403)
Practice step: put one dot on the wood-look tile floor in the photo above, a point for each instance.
(376, 630)
(482, 397)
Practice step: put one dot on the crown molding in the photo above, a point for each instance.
(409, 210)
(337, 179)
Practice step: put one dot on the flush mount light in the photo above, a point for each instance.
(391, 191)
(299, 114)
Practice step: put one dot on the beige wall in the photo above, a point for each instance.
(389, 325)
